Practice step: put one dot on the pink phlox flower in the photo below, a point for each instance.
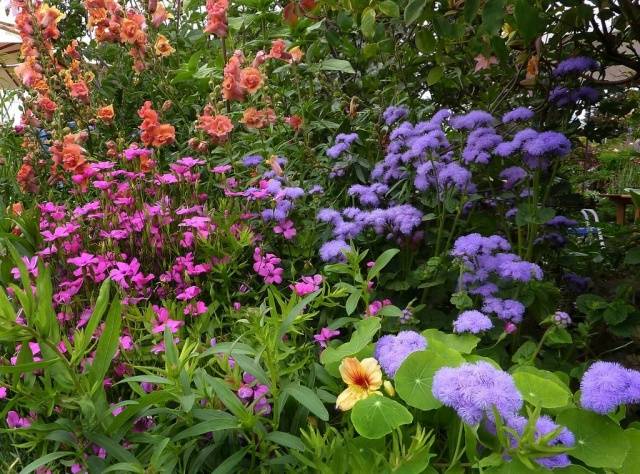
(126, 342)
(188, 293)
(83, 260)
(30, 263)
(221, 169)
(86, 209)
(117, 234)
(164, 321)
(195, 309)
(197, 209)
(307, 285)
(3, 392)
(14, 420)
(266, 266)
(167, 178)
(325, 335)
(160, 347)
(286, 228)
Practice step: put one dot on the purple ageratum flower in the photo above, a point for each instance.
(474, 390)
(518, 114)
(480, 143)
(508, 148)
(471, 245)
(607, 385)
(391, 351)
(548, 143)
(513, 176)
(575, 65)
(329, 215)
(507, 310)
(561, 221)
(561, 319)
(251, 161)
(368, 195)
(333, 250)
(520, 271)
(342, 143)
(472, 120)
(473, 322)
(545, 426)
(394, 113)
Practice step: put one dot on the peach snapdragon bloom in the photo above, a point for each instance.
(160, 15)
(106, 113)
(217, 127)
(251, 79)
(363, 379)
(162, 47)
(217, 17)
(254, 118)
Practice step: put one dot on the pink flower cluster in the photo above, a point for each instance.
(252, 392)
(267, 266)
(307, 285)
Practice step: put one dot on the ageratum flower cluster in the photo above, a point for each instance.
(607, 385)
(423, 155)
(489, 264)
(478, 391)
(565, 96)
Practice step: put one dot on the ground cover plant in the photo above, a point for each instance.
(316, 236)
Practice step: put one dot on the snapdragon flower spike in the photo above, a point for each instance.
(607, 385)
(391, 351)
(475, 390)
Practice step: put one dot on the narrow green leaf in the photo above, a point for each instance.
(413, 11)
(285, 439)
(340, 65)
(46, 459)
(381, 262)
(229, 464)
(108, 344)
(308, 398)
(208, 427)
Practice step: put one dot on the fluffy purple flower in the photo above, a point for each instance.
(474, 390)
(393, 113)
(472, 120)
(607, 385)
(575, 65)
(561, 221)
(520, 271)
(472, 321)
(517, 115)
(561, 319)
(548, 143)
(513, 176)
(545, 426)
(507, 310)
(480, 143)
(333, 250)
(342, 143)
(391, 351)
(250, 161)
(329, 215)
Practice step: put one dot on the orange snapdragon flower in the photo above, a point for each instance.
(47, 106)
(26, 178)
(251, 79)
(106, 113)
(254, 118)
(152, 131)
(162, 47)
(363, 379)
(217, 17)
(79, 90)
(217, 127)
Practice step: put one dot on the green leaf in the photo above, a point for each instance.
(558, 337)
(461, 300)
(285, 439)
(381, 262)
(377, 416)
(124, 467)
(146, 378)
(463, 343)
(113, 449)
(599, 441)
(340, 65)
(291, 315)
(26, 367)
(365, 330)
(632, 256)
(632, 461)
(352, 302)
(389, 8)
(227, 397)
(46, 459)
(208, 426)
(471, 8)
(529, 20)
(492, 15)
(368, 22)
(96, 316)
(229, 464)
(107, 344)
(414, 10)
(425, 41)
(308, 398)
(251, 366)
(434, 76)
(414, 378)
(541, 388)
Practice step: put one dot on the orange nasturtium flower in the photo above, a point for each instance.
(362, 378)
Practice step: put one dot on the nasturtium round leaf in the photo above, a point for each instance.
(541, 388)
(599, 441)
(377, 416)
(463, 343)
(414, 378)
(632, 461)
